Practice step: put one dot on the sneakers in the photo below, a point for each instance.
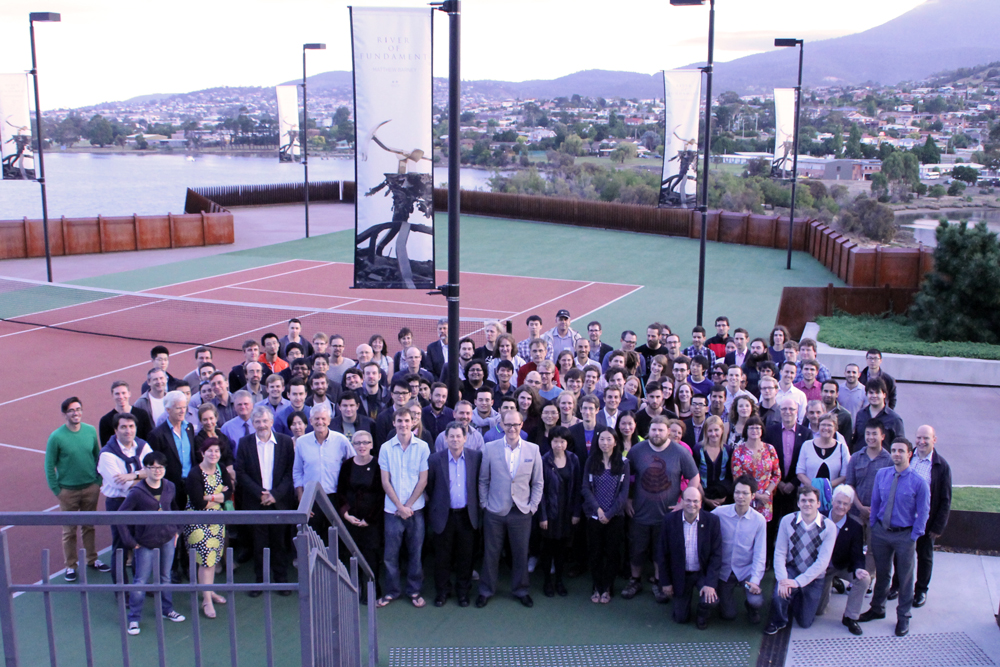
(633, 588)
(174, 616)
(133, 628)
(100, 566)
(773, 628)
(70, 574)
(532, 564)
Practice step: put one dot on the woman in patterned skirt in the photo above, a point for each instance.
(208, 487)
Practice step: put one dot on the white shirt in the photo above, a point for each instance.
(691, 563)
(611, 419)
(511, 455)
(796, 395)
(156, 405)
(109, 465)
(265, 456)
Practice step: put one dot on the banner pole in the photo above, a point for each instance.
(451, 291)
(41, 158)
(795, 156)
(708, 151)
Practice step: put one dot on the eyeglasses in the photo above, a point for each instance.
(400, 393)
(508, 426)
(155, 468)
(362, 442)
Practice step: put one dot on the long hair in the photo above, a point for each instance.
(618, 431)
(595, 462)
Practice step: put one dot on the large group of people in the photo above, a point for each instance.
(691, 469)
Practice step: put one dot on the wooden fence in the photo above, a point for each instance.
(800, 305)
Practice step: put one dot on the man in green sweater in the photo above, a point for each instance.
(71, 470)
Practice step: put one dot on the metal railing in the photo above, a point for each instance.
(329, 608)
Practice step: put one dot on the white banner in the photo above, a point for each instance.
(682, 103)
(394, 207)
(784, 131)
(288, 123)
(15, 128)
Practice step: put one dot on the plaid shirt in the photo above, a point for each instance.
(704, 351)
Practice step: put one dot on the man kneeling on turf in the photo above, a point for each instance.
(153, 494)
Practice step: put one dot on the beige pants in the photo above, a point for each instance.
(79, 500)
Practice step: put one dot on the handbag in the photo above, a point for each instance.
(228, 506)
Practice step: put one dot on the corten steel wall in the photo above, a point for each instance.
(800, 305)
(868, 267)
(265, 194)
(79, 236)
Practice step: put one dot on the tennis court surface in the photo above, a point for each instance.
(68, 340)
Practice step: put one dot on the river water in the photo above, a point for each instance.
(924, 227)
(87, 184)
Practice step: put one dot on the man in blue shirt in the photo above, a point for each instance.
(901, 502)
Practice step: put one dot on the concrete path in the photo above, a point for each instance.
(254, 227)
(956, 627)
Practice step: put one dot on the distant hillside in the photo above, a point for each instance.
(938, 35)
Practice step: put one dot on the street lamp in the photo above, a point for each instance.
(708, 146)
(795, 141)
(41, 17)
(304, 133)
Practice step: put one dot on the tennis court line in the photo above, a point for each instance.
(144, 363)
(356, 300)
(81, 319)
(537, 306)
(23, 449)
(227, 273)
(243, 282)
(618, 298)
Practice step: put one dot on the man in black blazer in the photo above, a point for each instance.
(784, 495)
(929, 464)
(848, 559)
(434, 361)
(691, 558)
(349, 418)
(165, 437)
(261, 488)
(453, 512)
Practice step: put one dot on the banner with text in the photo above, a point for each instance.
(288, 123)
(15, 128)
(784, 134)
(682, 104)
(394, 205)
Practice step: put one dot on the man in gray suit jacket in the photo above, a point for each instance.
(510, 489)
(453, 512)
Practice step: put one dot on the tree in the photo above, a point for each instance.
(929, 152)
(573, 145)
(838, 143)
(937, 105)
(956, 189)
(99, 131)
(967, 174)
(960, 299)
(874, 220)
(623, 151)
(853, 148)
(141, 143)
(937, 191)
(880, 185)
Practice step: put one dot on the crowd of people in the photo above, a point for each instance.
(693, 470)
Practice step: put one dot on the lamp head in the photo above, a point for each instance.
(51, 17)
(314, 47)
(686, 3)
(787, 42)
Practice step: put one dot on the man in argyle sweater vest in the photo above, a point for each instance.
(801, 555)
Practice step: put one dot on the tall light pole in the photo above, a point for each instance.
(304, 132)
(795, 141)
(708, 148)
(41, 17)
(453, 8)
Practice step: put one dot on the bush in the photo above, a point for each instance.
(956, 189)
(871, 218)
(960, 299)
(937, 191)
(895, 334)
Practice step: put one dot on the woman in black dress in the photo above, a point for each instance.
(360, 500)
(560, 508)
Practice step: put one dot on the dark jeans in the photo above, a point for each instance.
(516, 525)
(727, 597)
(605, 540)
(554, 551)
(682, 599)
(802, 604)
(453, 549)
(274, 538)
(397, 532)
(112, 505)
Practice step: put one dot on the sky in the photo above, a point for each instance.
(108, 50)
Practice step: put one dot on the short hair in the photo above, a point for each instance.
(294, 320)
(874, 352)
(612, 372)
(158, 350)
(209, 442)
(297, 382)
(533, 318)
(207, 407)
(660, 419)
(742, 331)
(268, 335)
(697, 329)
(275, 377)
(348, 395)
(301, 361)
(573, 374)
(677, 422)
(901, 439)
(119, 383)
(717, 389)
(468, 340)
(652, 386)
(754, 420)
(218, 374)
(241, 394)
(767, 366)
(845, 489)
(537, 341)
(202, 348)
(182, 383)
(810, 362)
(206, 364)
(170, 400)
(353, 370)
(807, 342)
(463, 404)
(296, 413)
(262, 410)
(153, 370)
(122, 416)
(876, 425)
(681, 359)
(852, 364)
(614, 388)
(657, 326)
(456, 424)
(154, 459)
(590, 399)
(438, 385)
(482, 364)
(789, 363)
(565, 434)
(248, 343)
(701, 360)
(628, 332)
(371, 363)
(594, 323)
(405, 331)
(294, 346)
(830, 381)
(791, 345)
(746, 480)
(722, 318)
(805, 490)
(401, 383)
(875, 384)
(505, 363)
(319, 335)
(319, 409)
(484, 389)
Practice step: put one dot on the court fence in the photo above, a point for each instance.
(328, 590)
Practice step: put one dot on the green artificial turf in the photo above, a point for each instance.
(893, 334)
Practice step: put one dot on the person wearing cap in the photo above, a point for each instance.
(562, 336)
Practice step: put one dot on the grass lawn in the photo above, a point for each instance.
(894, 334)
(975, 499)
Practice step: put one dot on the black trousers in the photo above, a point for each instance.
(605, 540)
(112, 505)
(925, 565)
(453, 551)
(274, 538)
(682, 599)
(553, 551)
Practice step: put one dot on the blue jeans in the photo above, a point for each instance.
(398, 531)
(144, 564)
(802, 604)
